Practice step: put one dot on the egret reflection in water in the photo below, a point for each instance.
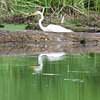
(50, 56)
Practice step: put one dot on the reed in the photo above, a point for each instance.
(26, 6)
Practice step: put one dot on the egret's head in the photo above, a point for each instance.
(37, 12)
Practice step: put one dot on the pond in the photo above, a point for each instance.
(50, 76)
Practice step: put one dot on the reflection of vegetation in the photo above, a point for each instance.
(76, 62)
(9, 64)
(16, 78)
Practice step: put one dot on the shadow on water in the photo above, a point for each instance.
(39, 72)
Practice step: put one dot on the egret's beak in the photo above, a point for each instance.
(32, 14)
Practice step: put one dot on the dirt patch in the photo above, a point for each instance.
(93, 20)
(13, 18)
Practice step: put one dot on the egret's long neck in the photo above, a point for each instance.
(40, 22)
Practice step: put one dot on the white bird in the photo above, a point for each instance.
(50, 27)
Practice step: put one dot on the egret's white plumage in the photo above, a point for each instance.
(50, 27)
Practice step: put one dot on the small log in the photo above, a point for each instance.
(1, 26)
(32, 26)
(85, 29)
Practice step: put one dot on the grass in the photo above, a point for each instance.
(14, 27)
(72, 8)
(26, 6)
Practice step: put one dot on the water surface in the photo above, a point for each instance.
(45, 77)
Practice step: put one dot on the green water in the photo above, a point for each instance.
(73, 77)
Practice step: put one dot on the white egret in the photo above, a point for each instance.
(50, 27)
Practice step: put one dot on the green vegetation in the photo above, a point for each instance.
(26, 6)
(76, 12)
(14, 27)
